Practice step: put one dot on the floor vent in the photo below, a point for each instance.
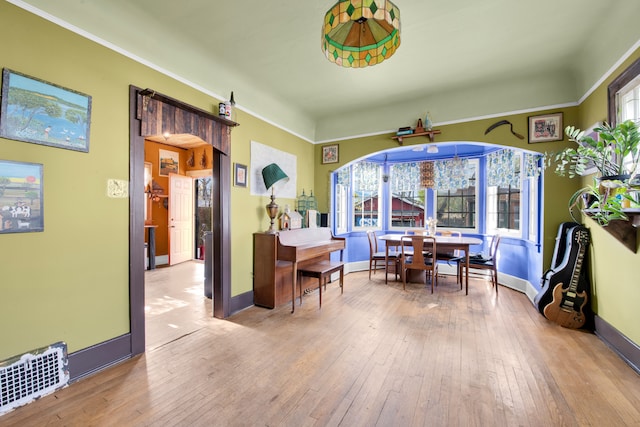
(32, 375)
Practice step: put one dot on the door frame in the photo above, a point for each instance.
(220, 227)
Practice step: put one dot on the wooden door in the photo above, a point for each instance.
(180, 219)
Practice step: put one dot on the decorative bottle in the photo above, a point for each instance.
(229, 112)
(428, 125)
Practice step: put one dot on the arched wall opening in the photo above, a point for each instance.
(520, 253)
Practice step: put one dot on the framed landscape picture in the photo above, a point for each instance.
(40, 112)
(169, 162)
(21, 204)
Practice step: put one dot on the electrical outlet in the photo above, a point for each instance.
(117, 188)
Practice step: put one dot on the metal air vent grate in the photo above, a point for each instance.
(32, 375)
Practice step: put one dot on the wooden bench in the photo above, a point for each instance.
(322, 270)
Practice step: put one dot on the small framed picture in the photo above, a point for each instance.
(169, 162)
(240, 172)
(330, 154)
(21, 198)
(546, 128)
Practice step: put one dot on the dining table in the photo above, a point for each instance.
(446, 243)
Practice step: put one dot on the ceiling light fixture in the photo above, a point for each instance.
(359, 33)
(432, 149)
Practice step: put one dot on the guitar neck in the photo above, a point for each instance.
(581, 238)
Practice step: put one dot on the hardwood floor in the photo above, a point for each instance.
(175, 305)
(375, 356)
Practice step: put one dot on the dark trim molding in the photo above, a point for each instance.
(240, 302)
(136, 226)
(623, 346)
(618, 83)
(92, 359)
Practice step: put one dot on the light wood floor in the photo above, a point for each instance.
(375, 356)
(175, 305)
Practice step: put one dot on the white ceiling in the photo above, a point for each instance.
(458, 59)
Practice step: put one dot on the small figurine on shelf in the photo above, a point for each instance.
(419, 127)
(285, 219)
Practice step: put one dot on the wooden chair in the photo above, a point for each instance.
(480, 262)
(376, 256)
(417, 260)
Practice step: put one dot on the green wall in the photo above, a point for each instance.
(71, 282)
(614, 267)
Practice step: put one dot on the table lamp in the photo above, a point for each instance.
(272, 175)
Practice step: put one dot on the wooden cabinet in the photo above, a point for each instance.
(272, 277)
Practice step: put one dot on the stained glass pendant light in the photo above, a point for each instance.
(359, 33)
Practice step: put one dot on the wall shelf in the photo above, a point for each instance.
(624, 231)
(428, 133)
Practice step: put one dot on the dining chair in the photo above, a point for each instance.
(480, 262)
(421, 258)
(449, 255)
(376, 256)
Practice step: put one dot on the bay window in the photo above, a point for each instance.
(456, 193)
(407, 199)
(503, 192)
(366, 192)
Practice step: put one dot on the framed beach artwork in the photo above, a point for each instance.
(21, 202)
(40, 112)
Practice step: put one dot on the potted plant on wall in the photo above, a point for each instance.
(615, 155)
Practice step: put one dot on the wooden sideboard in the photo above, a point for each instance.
(275, 254)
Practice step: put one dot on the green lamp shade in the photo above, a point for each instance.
(272, 174)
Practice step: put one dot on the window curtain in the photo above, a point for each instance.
(452, 175)
(366, 176)
(531, 165)
(405, 177)
(343, 177)
(503, 169)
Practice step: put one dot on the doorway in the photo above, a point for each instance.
(154, 114)
(177, 303)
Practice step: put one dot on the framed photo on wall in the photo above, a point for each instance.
(546, 128)
(240, 172)
(169, 162)
(330, 154)
(40, 112)
(21, 201)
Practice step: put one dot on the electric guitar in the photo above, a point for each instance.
(567, 306)
(562, 262)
